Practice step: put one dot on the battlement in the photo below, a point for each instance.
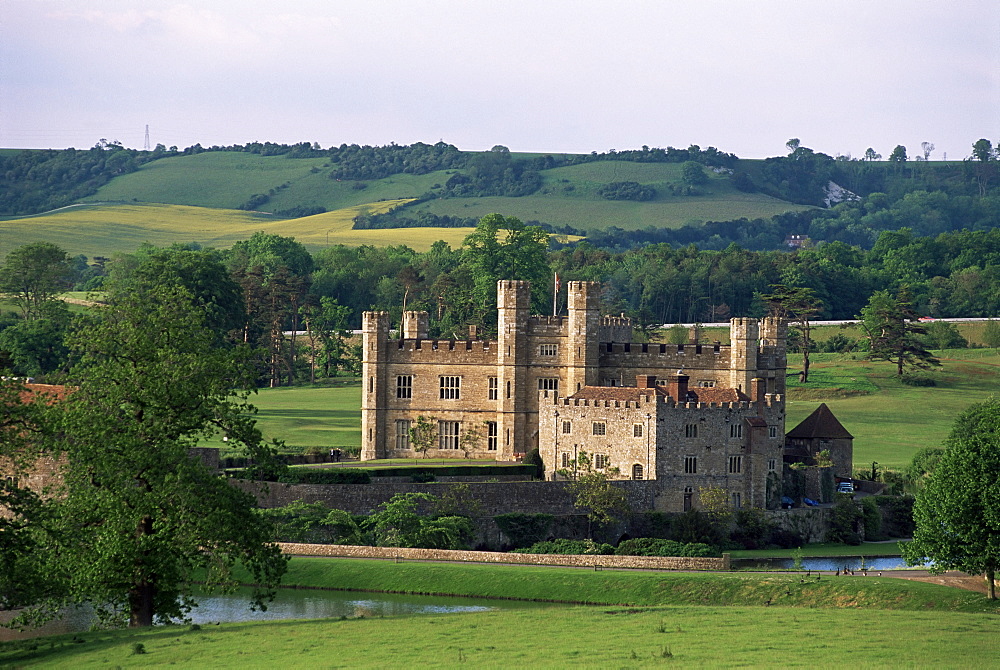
(771, 400)
(443, 352)
(548, 325)
(375, 321)
(513, 294)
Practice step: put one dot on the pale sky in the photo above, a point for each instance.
(740, 75)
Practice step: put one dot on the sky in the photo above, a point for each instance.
(744, 76)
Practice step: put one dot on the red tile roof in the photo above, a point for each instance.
(620, 393)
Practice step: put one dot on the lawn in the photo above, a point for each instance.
(893, 421)
(647, 618)
(612, 637)
(304, 416)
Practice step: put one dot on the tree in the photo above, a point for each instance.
(33, 275)
(397, 524)
(693, 173)
(593, 491)
(991, 333)
(871, 155)
(892, 329)
(504, 248)
(957, 514)
(928, 148)
(423, 434)
(798, 304)
(138, 518)
(328, 331)
(898, 154)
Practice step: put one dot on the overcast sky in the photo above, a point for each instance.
(740, 75)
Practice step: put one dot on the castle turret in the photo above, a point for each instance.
(415, 325)
(513, 309)
(582, 359)
(744, 335)
(774, 335)
(375, 336)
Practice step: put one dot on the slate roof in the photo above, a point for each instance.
(716, 394)
(820, 424)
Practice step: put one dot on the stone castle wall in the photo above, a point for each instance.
(581, 561)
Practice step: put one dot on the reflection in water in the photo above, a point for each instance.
(828, 564)
(291, 604)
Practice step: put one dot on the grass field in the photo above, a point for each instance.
(647, 618)
(894, 421)
(106, 229)
(589, 637)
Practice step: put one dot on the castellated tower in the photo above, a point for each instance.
(744, 334)
(374, 373)
(513, 310)
(583, 348)
(774, 335)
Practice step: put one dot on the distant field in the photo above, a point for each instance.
(895, 421)
(226, 180)
(102, 230)
(218, 179)
(569, 197)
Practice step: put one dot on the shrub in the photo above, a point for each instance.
(752, 528)
(568, 547)
(422, 477)
(784, 539)
(534, 458)
(914, 379)
(626, 190)
(524, 530)
(651, 546)
(845, 521)
(872, 518)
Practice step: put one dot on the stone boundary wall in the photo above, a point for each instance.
(580, 561)
(493, 497)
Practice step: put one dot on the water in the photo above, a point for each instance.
(825, 564)
(291, 604)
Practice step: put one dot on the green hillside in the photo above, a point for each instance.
(106, 229)
(568, 195)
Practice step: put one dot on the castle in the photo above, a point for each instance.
(685, 415)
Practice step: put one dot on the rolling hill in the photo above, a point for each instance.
(199, 198)
(106, 229)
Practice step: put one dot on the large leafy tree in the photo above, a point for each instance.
(140, 518)
(798, 304)
(891, 326)
(502, 247)
(957, 514)
(34, 274)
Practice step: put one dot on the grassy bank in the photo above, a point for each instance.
(590, 637)
(625, 587)
(824, 549)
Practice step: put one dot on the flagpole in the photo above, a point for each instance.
(555, 291)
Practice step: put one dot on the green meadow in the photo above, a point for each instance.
(569, 197)
(107, 229)
(889, 420)
(639, 619)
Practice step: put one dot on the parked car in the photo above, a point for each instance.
(845, 487)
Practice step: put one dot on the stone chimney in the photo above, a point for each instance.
(677, 386)
(758, 387)
(473, 331)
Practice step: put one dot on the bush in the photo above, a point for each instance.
(534, 458)
(872, 518)
(626, 190)
(651, 546)
(752, 528)
(422, 477)
(897, 515)
(568, 547)
(914, 379)
(524, 530)
(845, 522)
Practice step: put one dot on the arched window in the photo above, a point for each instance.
(688, 495)
(637, 471)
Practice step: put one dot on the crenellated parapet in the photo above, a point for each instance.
(415, 324)
(615, 329)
